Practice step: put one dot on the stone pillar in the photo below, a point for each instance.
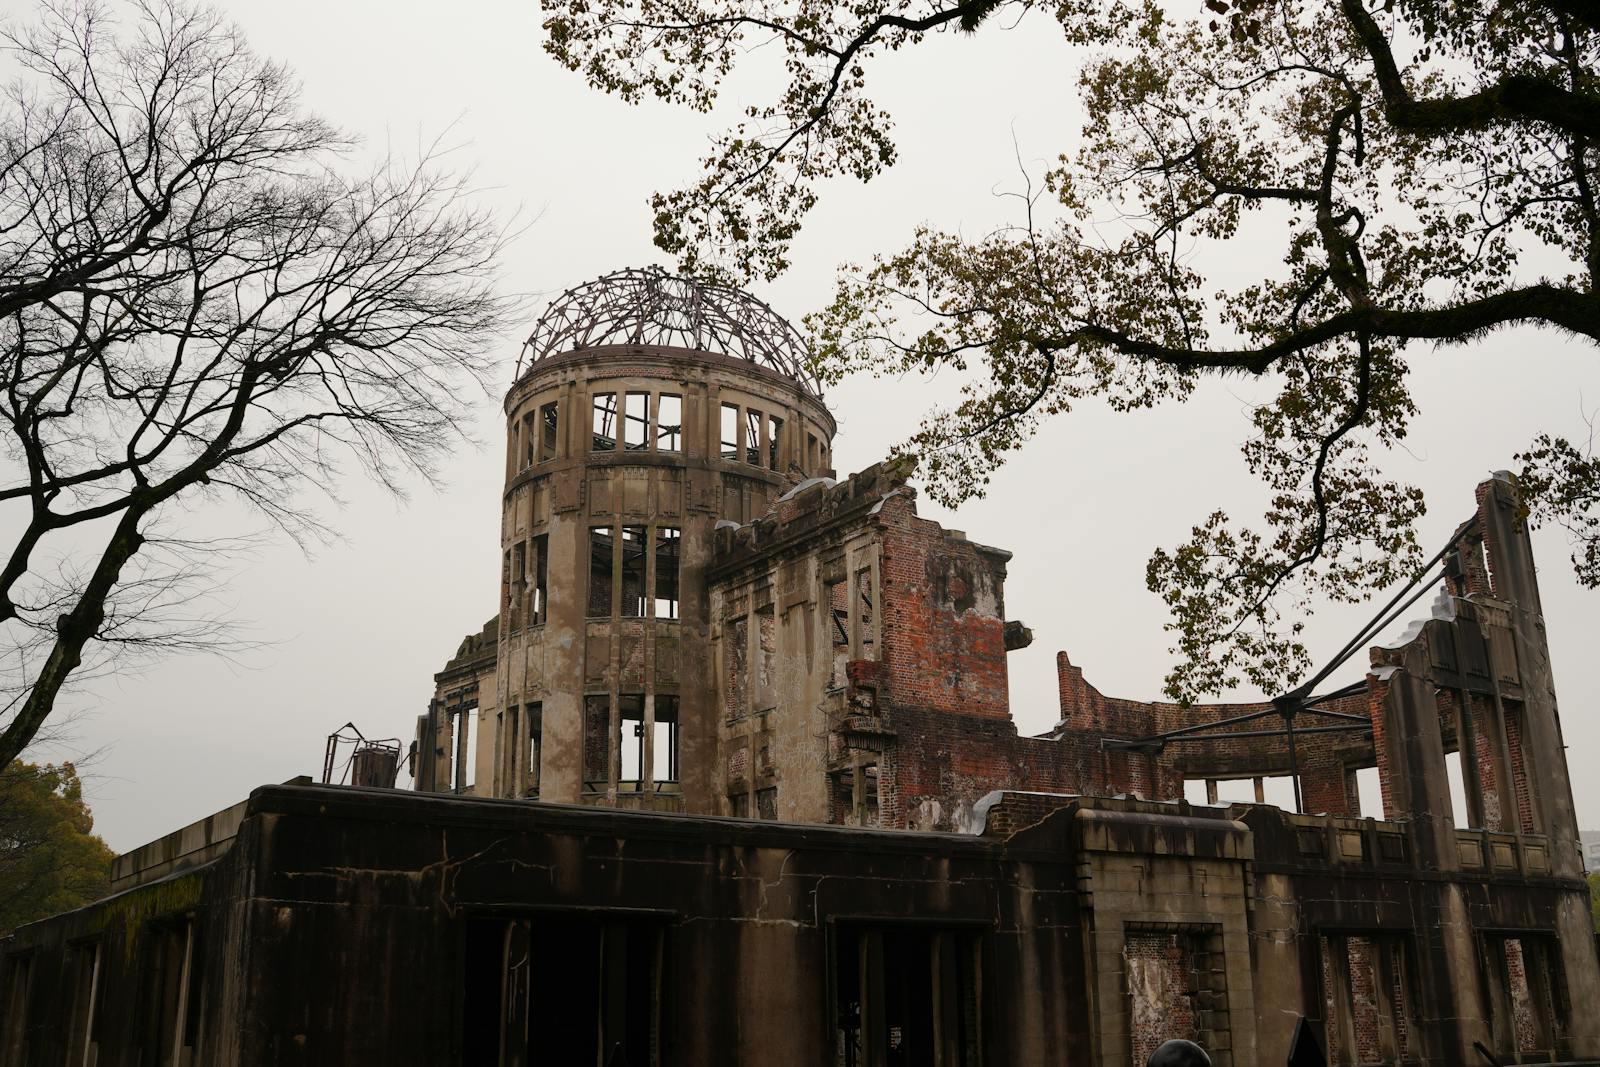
(1544, 758)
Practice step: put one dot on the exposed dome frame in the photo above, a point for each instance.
(648, 306)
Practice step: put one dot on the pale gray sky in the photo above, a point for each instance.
(356, 632)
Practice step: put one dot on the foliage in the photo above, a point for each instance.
(1426, 169)
(197, 302)
(50, 858)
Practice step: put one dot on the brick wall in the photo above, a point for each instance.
(1161, 991)
(943, 616)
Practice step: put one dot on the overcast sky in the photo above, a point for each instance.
(356, 631)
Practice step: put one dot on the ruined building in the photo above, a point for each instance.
(732, 777)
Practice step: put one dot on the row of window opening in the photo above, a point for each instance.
(646, 422)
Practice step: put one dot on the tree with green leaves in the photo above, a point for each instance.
(1428, 169)
(51, 860)
(198, 301)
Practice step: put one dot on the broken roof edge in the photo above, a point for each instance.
(811, 507)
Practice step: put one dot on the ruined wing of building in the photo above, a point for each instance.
(731, 777)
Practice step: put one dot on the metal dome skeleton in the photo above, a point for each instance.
(648, 306)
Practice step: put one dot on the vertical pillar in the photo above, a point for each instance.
(1512, 573)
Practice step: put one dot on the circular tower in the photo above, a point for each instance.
(649, 409)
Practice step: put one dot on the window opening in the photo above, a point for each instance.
(767, 652)
(906, 995)
(600, 1006)
(634, 544)
(668, 540)
(549, 425)
(631, 758)
(767, 803)
(838, 632)
(83, 1035)
(1165, 970)
(466, 744)
(636, 422)
(530, 440)
(605, 422)
(600, 572)
(1458, 789)
(730, 431)
(169, 1024)
(752, 437)
(596, 752)
(535, 717)
(1527, 1002)
(14, 1022)
(541, 573)
(664, 768)
(812, 456)
(864, 610)
(519, 582)
(1366, 1005)
(1276, 789)
(774, 435)
(509, 755)
(736, 643)
(1369, 792)
(669, 423)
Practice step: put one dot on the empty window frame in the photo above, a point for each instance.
(766, 653)
(767, 803)
(634, 546)
(669, 423)
(668, 542)
(534, 714)
(170, 993)
(664, 760)
(541, 574)
(854, 795)
(735, 651)
(1366, 1000)
(1527, 997)
(729, 431)
(601, 1005)
(508, 751)
(14, 1016)
(631, 757)
(549, 431)
(774, 436)
(863, 619)
(601, 570)
(465, 738)
(596, 750)
(813, 454)
(752, 437)
(838, 631)
(519, 583)
(83, 1031)
(530, 440)
(604, 426)
(1176, 987)
(906, 994)
(636, 423)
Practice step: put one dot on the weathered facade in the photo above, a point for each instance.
(708, 650)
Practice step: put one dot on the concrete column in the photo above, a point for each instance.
(1415, 763)
(1543, 751)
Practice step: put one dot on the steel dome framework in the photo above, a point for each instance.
(648, 306)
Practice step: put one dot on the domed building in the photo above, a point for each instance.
(648, 409)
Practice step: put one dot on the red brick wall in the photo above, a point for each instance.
(1519, 766)
(943, 617)
(1161, 987)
